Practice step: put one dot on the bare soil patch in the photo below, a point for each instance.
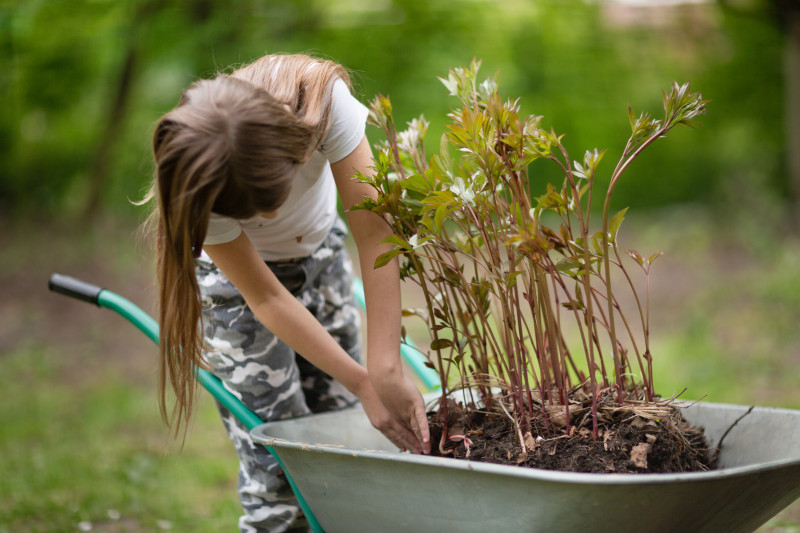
(632, 438)
(89, 341)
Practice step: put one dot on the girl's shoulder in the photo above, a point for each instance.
(347, 125)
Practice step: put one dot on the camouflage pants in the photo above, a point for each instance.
(267, 375)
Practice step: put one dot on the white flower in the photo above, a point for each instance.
(410, 138)
(460, 189)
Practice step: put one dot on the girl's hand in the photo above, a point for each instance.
(402, 399)
(394, 428)
(398, 394)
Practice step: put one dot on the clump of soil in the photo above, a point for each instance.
(633, 438)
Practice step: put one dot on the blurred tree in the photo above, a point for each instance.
(88, 78)
(114, 122)
(786, 16)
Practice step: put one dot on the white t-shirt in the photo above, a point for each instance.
(309, 212)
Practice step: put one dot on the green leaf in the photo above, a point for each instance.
(410, 203)
(396, 240)
(654, 257)
(579, 171)
(569, 266)
(385, 258)
(439, 344)
(597, 243)
(636, 257)
(614, 224)
(591, 159)
(573, 305)
(441, 214)
(462, 342)
(451, 84)
(368, 204)
(511, 278)
(416, 182)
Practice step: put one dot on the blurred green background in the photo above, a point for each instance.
(84, 81)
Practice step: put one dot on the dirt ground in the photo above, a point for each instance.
(32, 316)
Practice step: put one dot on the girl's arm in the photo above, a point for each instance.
(382, 291)
(291, 322)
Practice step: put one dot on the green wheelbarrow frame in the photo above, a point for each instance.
(101, 297)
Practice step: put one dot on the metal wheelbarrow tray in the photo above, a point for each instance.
(374, 488)
(349, 478)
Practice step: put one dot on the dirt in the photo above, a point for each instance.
(86, 342)
(633, 438)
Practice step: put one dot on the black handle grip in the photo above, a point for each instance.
(75, 288)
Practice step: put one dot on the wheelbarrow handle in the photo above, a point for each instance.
(93, 294)
(127, 309)
(100, 297)
(75, 288)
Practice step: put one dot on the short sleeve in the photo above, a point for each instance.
(221, 229)
(348, 122)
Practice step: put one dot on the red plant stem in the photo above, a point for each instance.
(526, 356)
(648, 357)
(557, 279)
(550, 331)
(440, 366)
(645, 318)
(586, 278)
(596, 338)
(565, 401)
(595, 428)
(537, 319)
(623, 163)
(487, 262)
(624, 358)
(396, 153)
(562, 348)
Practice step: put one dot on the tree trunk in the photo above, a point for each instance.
(115, 119)
(117, 111)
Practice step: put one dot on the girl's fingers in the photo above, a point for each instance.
(403, 439)
(421, 429)
(410, 441)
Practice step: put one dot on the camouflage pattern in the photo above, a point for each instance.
(268, 377)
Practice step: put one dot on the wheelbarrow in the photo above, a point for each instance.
(101, 297)
(355, 480)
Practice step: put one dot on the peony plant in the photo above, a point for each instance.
(510, 278)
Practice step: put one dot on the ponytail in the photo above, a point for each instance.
(184, 207)
(232, 146)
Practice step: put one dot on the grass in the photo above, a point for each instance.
(97, 454)
(83, 447)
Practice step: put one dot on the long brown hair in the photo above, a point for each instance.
(232, 146)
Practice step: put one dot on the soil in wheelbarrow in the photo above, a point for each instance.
(632, 438)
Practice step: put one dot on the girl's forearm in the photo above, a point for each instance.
(292, 323)
(381, 285)
(382, 293)
(384, 308)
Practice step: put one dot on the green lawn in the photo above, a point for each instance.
(95, 452)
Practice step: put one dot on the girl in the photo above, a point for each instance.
(252, 270)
